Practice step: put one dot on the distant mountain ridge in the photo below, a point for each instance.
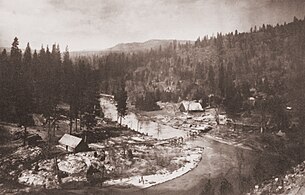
(131, 47)
(141, 46)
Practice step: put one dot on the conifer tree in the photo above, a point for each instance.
(221, 78)
(4, 86)
(23, 90)
(69, 86)
(91, 98)
(211, 78)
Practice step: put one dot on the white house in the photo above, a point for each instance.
(72, 143)
(190, 106)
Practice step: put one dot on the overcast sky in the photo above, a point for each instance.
(99, 24)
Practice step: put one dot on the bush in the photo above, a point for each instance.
(162, 161)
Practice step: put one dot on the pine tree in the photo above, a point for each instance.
(50, 94)
(40, 79)
(4, 86)
(14, 81)
(69, 87)
(82, 76)
(197, 42)
(92, 105)
(23, 101)
(211, 78)
(56, 72)
(35, 84)
(221, 78)
(15, 57)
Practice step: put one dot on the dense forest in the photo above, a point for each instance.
(265, 64)
(44, 82)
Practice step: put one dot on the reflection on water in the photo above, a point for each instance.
(223, 170)
(142, 125)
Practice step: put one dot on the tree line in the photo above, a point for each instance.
(42, 82)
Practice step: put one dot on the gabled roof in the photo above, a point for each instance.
(70, 140)
(191, 106)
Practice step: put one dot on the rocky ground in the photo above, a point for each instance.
(119, 156)
(291, 183)
(143, 158)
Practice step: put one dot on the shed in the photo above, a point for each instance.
(72, 143)
(190, 106)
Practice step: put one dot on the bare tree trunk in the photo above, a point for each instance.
(71, 125)
(25, 136)
(80, 124)
(49, 130)
(76, 124)
(54, 129)
(262, 119)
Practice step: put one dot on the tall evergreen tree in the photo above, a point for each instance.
(4, 86)
(14, 79)
(69, 87)
(211, 78)
(221, 78)
(23, 90)
(91, 98)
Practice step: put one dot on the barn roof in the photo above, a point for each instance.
(192, 106)
(70, 140)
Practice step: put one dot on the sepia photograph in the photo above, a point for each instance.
(152, 97)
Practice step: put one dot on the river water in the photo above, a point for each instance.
(142, 125)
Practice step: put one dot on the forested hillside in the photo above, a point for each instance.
(266, 63)
(268, 59)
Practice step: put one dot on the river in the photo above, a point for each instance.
(142, 125)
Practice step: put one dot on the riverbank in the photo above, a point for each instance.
(222, 167)
(192, 159)
(232, 143)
